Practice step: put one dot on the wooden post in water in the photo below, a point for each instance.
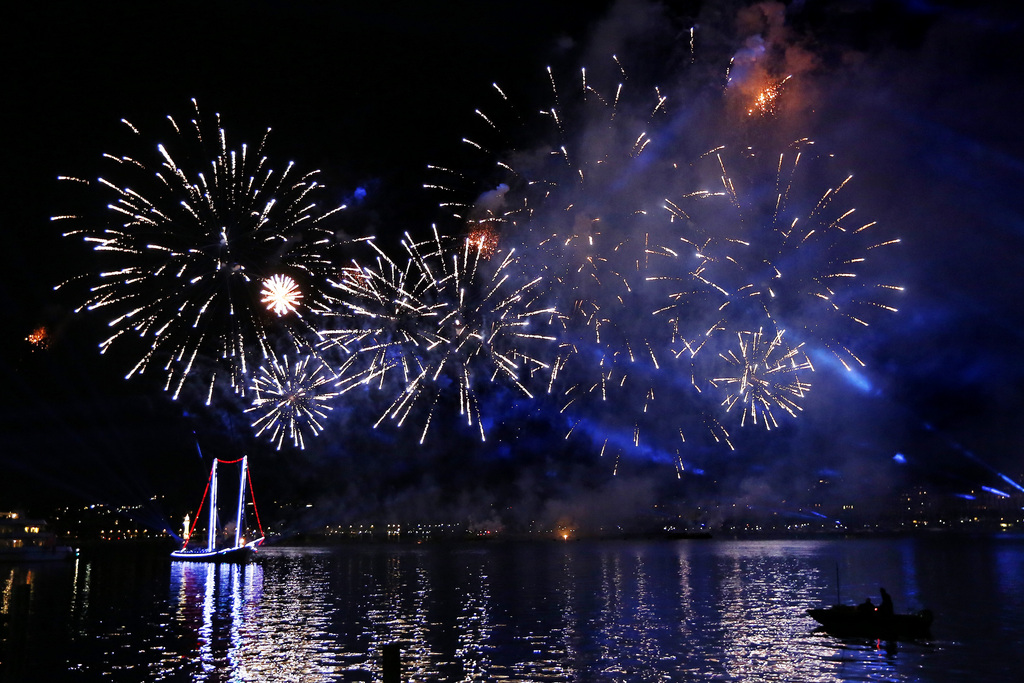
(392, 664)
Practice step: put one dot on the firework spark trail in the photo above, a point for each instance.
(291, 398)
(448, 317)
(764, 377)
(188, 244)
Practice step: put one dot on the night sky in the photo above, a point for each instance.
(919, 101)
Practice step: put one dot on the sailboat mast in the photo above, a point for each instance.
(241, 501)
(211, 538)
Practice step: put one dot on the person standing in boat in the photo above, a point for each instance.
(885, 609)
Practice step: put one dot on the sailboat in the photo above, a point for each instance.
(241, 550)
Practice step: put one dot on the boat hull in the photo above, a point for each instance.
(239, 555)
(851, 622)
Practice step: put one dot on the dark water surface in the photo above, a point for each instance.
(699, 610)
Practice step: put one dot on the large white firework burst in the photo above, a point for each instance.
(186, 244)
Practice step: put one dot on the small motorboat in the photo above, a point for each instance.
(858, 621)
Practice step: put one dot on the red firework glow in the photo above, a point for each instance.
(485, 238)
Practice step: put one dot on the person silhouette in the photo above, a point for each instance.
(885, 609)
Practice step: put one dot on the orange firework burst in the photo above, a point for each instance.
(485, 238)
(39, 338)
(764, 101)
(281, 294)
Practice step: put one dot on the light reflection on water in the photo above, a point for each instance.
(582, 611)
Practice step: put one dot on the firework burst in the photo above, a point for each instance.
(448, 318)
(39, 338)
(766, 98)
(764, 378)
(383, 310)
(291, 398)
(484, 237)
(776, 247)
(281, 294)
(186, 245)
